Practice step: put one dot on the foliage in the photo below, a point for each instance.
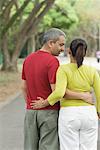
(62, 15)
(19, 21)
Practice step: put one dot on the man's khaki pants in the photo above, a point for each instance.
(40, 130)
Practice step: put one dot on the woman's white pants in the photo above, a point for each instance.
(78, 128)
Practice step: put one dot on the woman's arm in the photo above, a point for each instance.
(96, 86)
(86, 96)
(60, 87)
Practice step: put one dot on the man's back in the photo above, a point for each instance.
(39, 71)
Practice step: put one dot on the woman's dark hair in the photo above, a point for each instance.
(78, 48)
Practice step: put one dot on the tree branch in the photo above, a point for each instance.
(16, 4)
(31, 26)
(38, 18)
(23, 31)
(90, 35)
(30, 20)
(2, 2)
(13, 19)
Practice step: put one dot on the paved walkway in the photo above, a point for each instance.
(11, 125)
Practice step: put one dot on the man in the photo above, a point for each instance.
(39, 76)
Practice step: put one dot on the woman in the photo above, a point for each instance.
(78, 120)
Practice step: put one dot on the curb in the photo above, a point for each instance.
(9, 100)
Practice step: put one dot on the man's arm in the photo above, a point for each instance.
(86, 96)
(52, 87)
(24, 89)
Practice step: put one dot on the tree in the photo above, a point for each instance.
(92, 19)
(88, 26)
(17, 31)
(62, 15)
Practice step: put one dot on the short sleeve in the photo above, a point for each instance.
(23, 72)
(53, 66)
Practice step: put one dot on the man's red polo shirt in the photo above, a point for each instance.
(39, 71)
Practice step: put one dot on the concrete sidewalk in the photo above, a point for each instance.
(11, 125)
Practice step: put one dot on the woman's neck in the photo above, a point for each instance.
(72, 60)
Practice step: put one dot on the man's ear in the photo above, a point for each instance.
(50, 43)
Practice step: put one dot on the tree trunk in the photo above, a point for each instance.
(29, 28)
(31, 45)
(8, 65)
(26, 31)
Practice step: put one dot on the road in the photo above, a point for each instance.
(12, 120)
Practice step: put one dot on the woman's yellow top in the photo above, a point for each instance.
(81, 79)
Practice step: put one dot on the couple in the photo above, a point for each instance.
(78, 121)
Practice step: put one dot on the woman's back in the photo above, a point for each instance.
(81, 79)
